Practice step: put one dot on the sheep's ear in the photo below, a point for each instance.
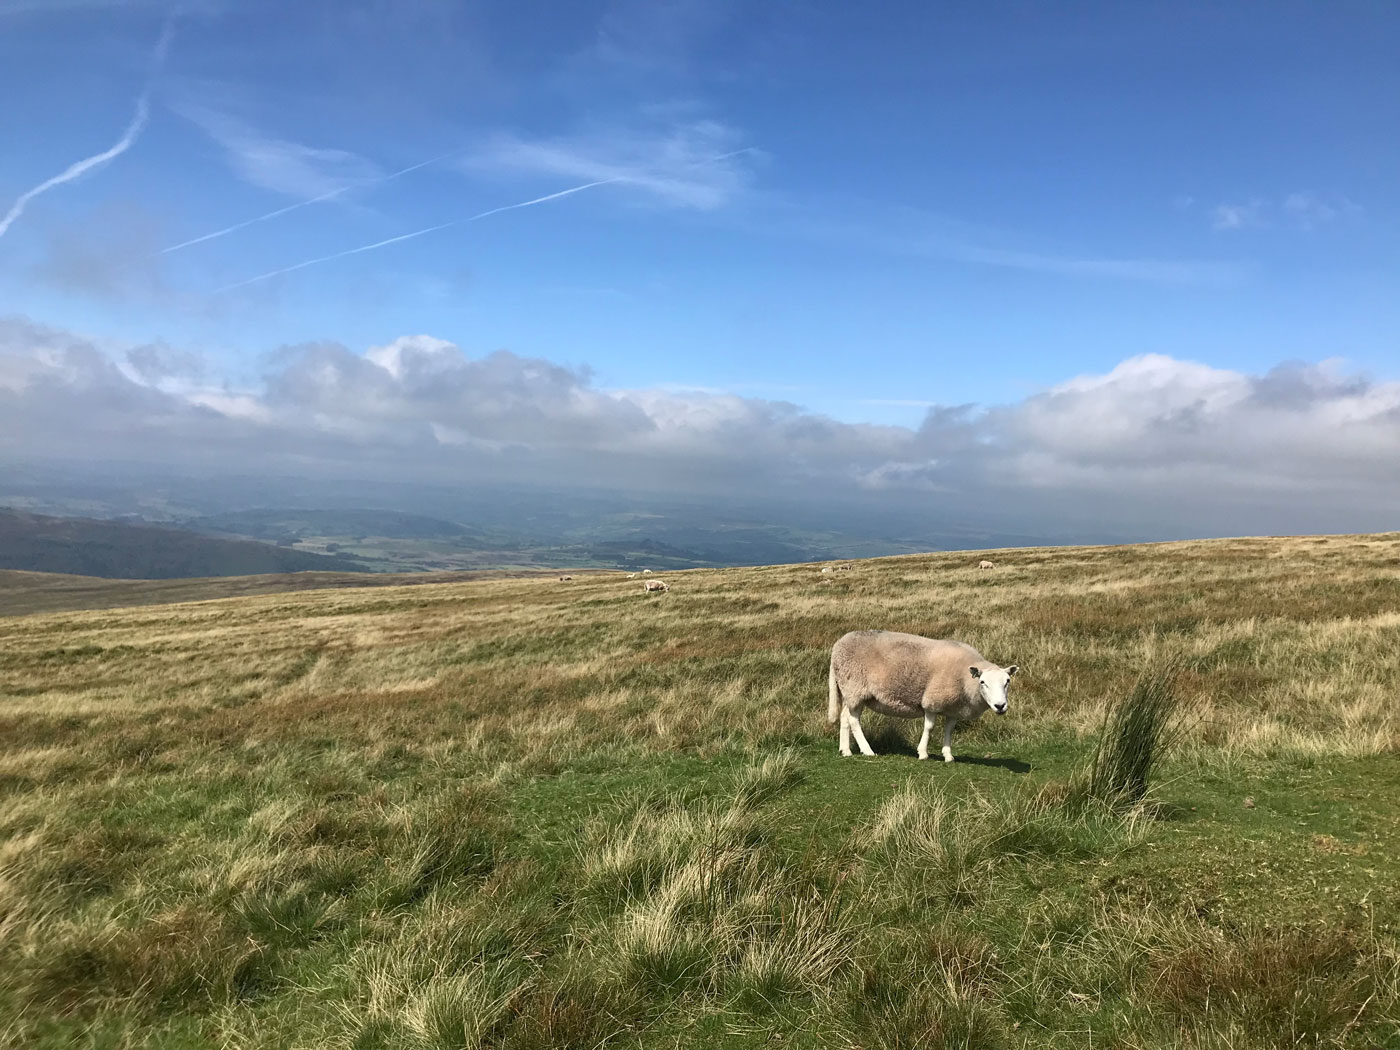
(975, 673)
(1012, 669)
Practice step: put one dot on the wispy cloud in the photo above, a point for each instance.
(1154, 271)
(410, 236)
(1302, 210)
(48, 7)
(1309, 210)
(914, 232)
(605, 176)
(139, 119)
(690, 165)
(1239, 216)
(279, 165)
(319, 198)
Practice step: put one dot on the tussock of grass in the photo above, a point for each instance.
(1136, 731)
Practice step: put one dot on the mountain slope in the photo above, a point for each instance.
(120, 550)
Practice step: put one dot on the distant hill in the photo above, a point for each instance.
(122, 550)
(277, 525)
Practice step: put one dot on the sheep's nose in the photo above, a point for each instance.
(1000, 709)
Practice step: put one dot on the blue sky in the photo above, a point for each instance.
(863, 210)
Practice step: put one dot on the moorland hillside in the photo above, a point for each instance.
(534, 813)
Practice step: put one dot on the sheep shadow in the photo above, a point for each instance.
(1012, 765)
(888, 738)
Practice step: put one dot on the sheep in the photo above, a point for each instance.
(655, 585)
(565, 579)
(646, 572)
(907, 676)
(985, 564)
(631, 575)
(826, 568)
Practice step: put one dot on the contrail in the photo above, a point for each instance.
(300, 204)
(440, 226)
(416, 233)
(133, 131)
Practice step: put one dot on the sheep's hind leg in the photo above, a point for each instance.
(923, 740)
(948, 725)
(845, 732)
(853, 720)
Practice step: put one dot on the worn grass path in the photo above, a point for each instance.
(525, 813)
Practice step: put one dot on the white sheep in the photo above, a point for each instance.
(985, 564)
(655, 585)
(564, 579)
(907, 676)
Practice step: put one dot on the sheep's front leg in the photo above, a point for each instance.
(853, 719)
(845, 732)
(948, 724)
(928, 728)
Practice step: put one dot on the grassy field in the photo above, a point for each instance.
(525, 813)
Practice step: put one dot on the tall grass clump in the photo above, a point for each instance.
(1136, 732)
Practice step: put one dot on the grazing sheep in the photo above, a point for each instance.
(906, 676)
(843, 568)
(655, 585)
(646, 572)
(563, 579)
(985, 564)
(631, 575)
(826, 568)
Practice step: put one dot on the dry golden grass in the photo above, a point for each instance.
(1291, 645)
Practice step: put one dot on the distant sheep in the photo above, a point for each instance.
(906, 676)
(631, 575)
(646, 572)
(985, 564)
(826, 568)
(564, 579)
(655, 585)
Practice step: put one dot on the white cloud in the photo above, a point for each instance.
(1156, 439)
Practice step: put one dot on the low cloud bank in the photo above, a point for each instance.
(1158, 445)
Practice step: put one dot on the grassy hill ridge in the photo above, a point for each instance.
(23, 593)
(525, 813)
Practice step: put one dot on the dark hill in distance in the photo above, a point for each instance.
(122, 550)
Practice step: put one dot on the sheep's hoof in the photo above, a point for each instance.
(923, 758)
(947, 758)
(845, 754)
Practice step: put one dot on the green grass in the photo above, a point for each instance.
(521, 814)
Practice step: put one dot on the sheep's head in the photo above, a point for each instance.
(992, 683)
